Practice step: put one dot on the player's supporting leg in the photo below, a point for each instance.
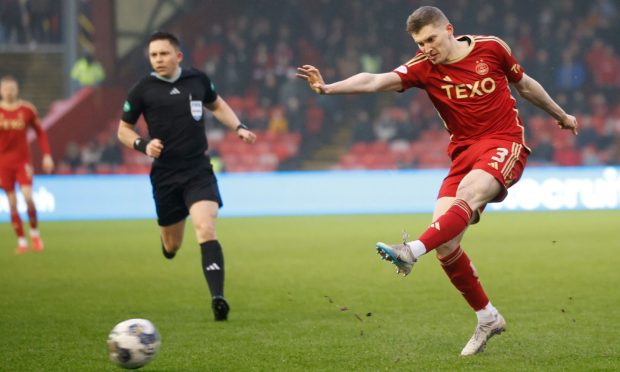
(204, 215)
(35, 236)
(463, 276)
(16, 222)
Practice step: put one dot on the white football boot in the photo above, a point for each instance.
(398, 254)
(483, 332)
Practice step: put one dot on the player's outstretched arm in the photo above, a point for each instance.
(531, 90)
(222, 112)
(360, 83)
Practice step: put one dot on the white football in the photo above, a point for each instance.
(133, 343)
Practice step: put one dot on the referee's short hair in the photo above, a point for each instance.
(163, 35)
(7, 78)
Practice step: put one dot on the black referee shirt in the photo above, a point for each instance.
(174, 113)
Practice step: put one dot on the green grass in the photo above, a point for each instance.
(309, 293)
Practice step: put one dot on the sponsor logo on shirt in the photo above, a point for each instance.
(462, 91)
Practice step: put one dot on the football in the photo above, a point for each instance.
(133, 343)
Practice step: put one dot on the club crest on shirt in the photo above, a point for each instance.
(482, 68)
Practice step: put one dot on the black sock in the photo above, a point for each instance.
(213, 266)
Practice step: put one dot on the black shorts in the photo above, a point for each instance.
(175, 190)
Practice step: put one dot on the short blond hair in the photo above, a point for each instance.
(424, 16)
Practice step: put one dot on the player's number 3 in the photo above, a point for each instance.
(501, 155)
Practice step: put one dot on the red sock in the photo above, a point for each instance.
(448, 226)
(463, 276)
(16, 221)
(32, 216)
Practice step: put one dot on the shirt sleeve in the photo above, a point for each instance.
(510, 65)
(210, 93)
(133, 106)
(410, 73)
(35, 123)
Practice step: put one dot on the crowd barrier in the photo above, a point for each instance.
(98, 197)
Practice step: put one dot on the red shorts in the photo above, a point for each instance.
(10, 174)
(504, 160)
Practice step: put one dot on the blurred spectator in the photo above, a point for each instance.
(362, 128)
(73, 156)
(12, 19)
(112, 153)
(589, 156)
(587, 133)
(91, 155)
(613, 156)
(571, 74)
(544, 151)
(385, 127)
(30, 22)
(87, 71)
(277, 121)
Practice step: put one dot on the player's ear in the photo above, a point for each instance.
(179, 56)
(450, 29)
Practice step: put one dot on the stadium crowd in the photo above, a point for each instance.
(569, 46)
(30, 22)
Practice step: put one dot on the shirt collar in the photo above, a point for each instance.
(172, 79)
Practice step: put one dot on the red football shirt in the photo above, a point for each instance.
(471, 94)
(14, 123)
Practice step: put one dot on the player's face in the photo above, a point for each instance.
(164, 57)
(9, 90)
(434, 42)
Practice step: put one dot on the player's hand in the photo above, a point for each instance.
(569, 122)
(48, 164)
(154, 148)
(313, 76)
(246, 135)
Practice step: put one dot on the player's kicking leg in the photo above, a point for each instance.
(399, 254)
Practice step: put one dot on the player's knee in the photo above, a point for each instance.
(475, 195)
(447, 248)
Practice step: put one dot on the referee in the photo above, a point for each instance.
(172, 101)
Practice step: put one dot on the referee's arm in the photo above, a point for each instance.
(128, 137)
(225, 115)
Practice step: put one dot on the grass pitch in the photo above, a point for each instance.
(309, 293)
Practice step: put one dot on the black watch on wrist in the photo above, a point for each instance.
(140, 145)
(241, 126)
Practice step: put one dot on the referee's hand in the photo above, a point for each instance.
(154, 148)
(246, 135)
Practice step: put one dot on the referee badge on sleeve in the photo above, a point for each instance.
(196, 109)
